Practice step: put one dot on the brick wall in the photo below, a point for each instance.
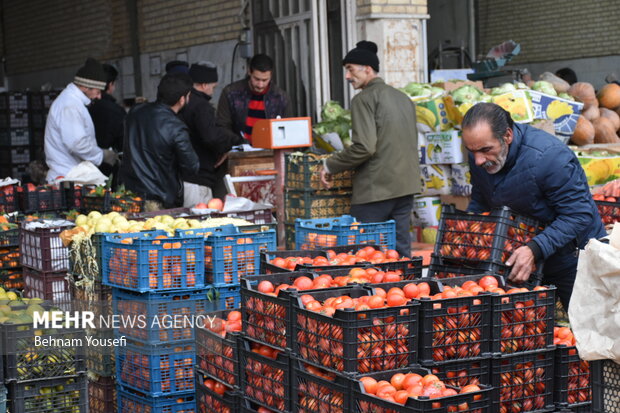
(366, 7)
(552, 29)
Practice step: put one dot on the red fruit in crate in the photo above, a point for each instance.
(216, 203)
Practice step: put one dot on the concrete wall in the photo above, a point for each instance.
(449, 22)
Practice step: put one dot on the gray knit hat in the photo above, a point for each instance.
(91, 75)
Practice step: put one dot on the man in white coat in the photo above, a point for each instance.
(69, 131)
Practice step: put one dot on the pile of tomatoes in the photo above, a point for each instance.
(609, 213)
(523, 387)
(315, 395)
(576, 374)
(214, 354)
(207, 402)
(403, 386)
(266, 382)
(459, 376)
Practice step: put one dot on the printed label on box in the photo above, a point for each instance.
(435, 179)
(426, 211)
(460, 179)
(444, 147)
(518, 104)
(600, 170)
(564, 113)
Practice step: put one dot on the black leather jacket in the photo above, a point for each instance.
(156, 151)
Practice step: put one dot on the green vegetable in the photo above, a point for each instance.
(505, 88)
(332, 111)
(466, 94)
(545, 87)
(566, 96)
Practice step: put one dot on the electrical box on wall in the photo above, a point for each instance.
(282, 133)
(246, 49)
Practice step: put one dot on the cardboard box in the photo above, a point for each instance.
(426, 211)
(440, 114)
(460, 179)
(518, 104)
(449, 86)
(601, 164)
(564, 113)
(435, 179)
(444, 147)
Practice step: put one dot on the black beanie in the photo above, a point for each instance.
(177, 66)
(202, 73)
(365, 53)
(91, 75)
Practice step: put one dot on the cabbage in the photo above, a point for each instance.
(466, 93)
(521, 85)
(419, 90)
(486, 98)
(332, 111)
(505, 88)
(566, 96)
(437, 92)
(545, 87)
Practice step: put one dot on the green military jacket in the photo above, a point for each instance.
(384, 153)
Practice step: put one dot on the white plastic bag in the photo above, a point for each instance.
(85, 173)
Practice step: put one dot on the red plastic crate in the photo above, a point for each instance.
(49, 286)
(41, 247)
(8, 199)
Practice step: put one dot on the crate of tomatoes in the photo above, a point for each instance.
(41, 198)
(8, 199)
(608, 208)
(573, 386)
(213, 396)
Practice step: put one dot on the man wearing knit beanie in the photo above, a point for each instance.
(384, 149)
(69, 131)
(209, 140)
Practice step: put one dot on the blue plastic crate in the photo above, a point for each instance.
(149, 263)
(165, 317)
(161, 370)
(133, 402)
(312, 234)
(2, 399)
(223, 298)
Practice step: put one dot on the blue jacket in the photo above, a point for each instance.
(542, 178)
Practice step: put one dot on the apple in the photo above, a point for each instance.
(201, 205)
(216, 203)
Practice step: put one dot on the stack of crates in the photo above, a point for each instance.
(11, 277)
(306, 198)
(39, 105)
(15, 149)
(158, 290)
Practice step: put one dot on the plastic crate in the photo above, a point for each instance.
(344, 230)
(460, 373)
(465, 237)
(523, 382)
(3, 394)
(16, 171)
(14, 118)
(9, 201)
(25, 361)
(231, 254)
(9, 237)
(12, 279)
(217, 356)
(90, 296)
(148, 263)
(266, 267)
(572, 385)
(208, 401)
(14, 137)
(314, 394)
(9, 258)
(48, 286)
(522, 321)
(605, 376)
(257, 216)
(223, 298)
(316, 204)
(66, 395)
(101, 360)
(136, 402)
(107, 203)
(41, 198)
(13, 101)
(102, 395)
(168, 316)
(74, 194)
(609, 211)
(41, 248)
(156, 370)
(265, 381)
(14, 155)
(473, 402)
(440, 271)
(302, 173)
(346, 342)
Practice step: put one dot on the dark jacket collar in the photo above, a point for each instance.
(200, 94)
(515, 147)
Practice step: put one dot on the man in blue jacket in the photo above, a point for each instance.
(535, 174)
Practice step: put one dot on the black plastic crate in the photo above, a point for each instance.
(265, 380)
(14, 137)
(437, 270)
(609, 211)
(41, 198)
(218, 356)
(460, 373)
(9, 258)
(523, 382)
(316, 204)
(605, 375)
(101, 360)
(102, 395)
(17, 171)
(88, 295)
(12, 279)
(522, 321)
(8, 198)
(257, 216)
(9, 237)
(302, 173)
(74, 194)
(66, 395)
(316, 390)
(473, 402)
(266, 258)
(14, 118)
(11, 155)
(13, 101)
(573, 388)
(109, 203)
(48, 286)
(348, 340)
(208, 401)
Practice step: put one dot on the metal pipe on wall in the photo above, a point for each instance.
(472, 29)
(132, 9)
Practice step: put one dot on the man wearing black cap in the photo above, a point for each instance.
(69, 131)
(108, 116)
(177, 66)
(384, 152)
(209, 140)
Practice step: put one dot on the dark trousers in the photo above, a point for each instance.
(398, 209)
(563, 278)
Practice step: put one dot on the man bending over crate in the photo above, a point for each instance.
(384, 150)
(535, 174)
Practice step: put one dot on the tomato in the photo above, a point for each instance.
(303, 283)
(391, 277)
(424, 289)
(411, 379)
(234, 316)
(370, 384)
(386, 390)
(487, 282)
(396, 300)
(219, 388)
(279, 262)
(428, 379)
(376, 301)
(209, 384)
(397, 381)
(265, 287)
(401, 396)
(411, 290)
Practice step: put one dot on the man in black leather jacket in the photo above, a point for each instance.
(209, 140)
(157, 146)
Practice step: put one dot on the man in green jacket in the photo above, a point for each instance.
(384, 152)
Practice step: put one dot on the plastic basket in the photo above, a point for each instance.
(208, 401)
(460, 373)
(9, 258)
(148, 263)
(257, 216)
(265, 381)
(346, 342)
(609, 211)
(572, 386)
(17, 171)
(168, 316)
(109, 203)
(522, 321)
(156, 370)
(14, 137)
(12, 279)
(25, 361)
(66, 395)
(74, 194)
(231, 254)
(316, 204)
(217, 356)
(315, 394)
(344, 230)
(523, 382)
(90, 296)
(479, 401)
(41, 248)
(605, 375)
(14, 155)
(48, 286)
(101, 360)
(302, 173)
(136, 402)
(13, 101)
(102, 395)
(266, 267)
(42, 198)
(8, 199)
(223, 298)
(9, 237)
